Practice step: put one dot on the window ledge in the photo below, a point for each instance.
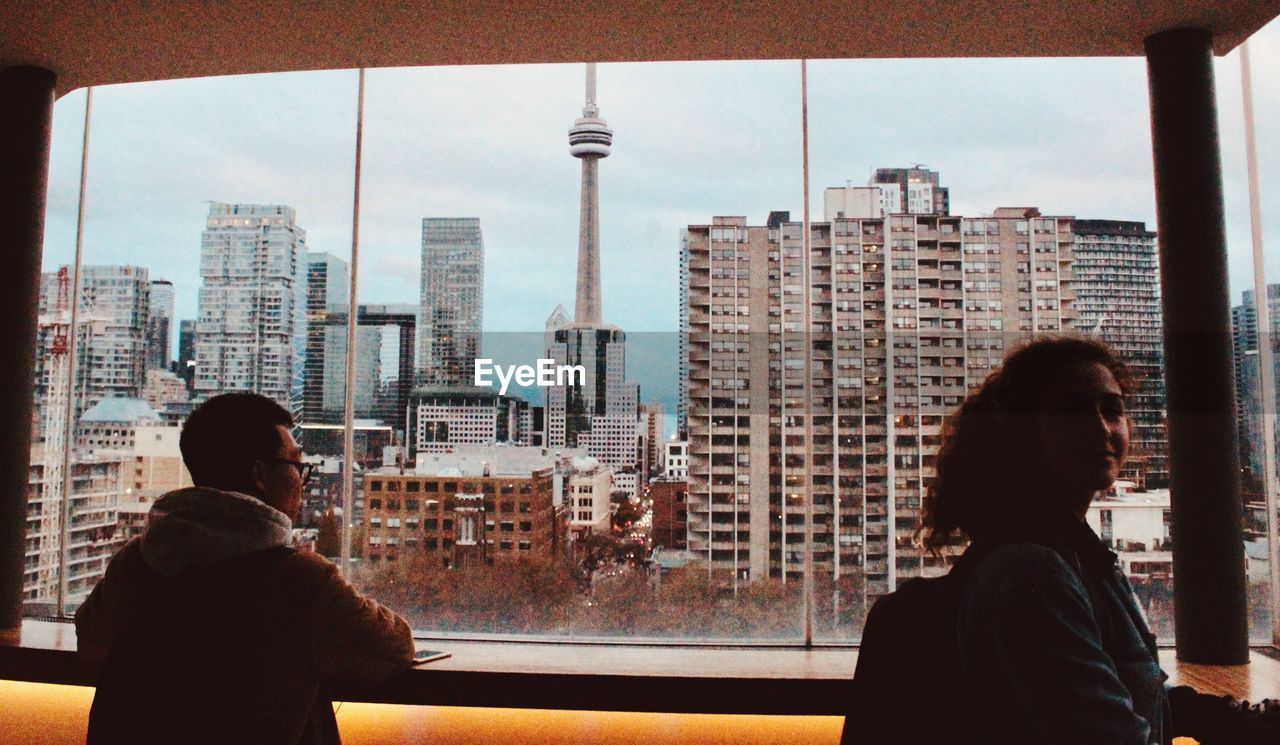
(612, 677)
(512, 674)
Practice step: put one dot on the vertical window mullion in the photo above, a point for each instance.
(348, 397)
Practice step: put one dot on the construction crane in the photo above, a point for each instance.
(57, 365)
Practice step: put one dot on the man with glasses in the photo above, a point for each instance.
(211, 628)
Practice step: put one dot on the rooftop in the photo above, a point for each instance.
(477, 461)
(120, 410)
(451, 392)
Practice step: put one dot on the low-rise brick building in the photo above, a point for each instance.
(669, 508)
(469, 510)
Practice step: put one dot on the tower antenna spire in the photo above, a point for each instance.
(590, 110)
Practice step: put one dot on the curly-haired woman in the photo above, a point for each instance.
(1052, 646)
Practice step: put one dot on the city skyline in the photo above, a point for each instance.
(701, 139)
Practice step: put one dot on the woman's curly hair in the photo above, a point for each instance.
(987, 456)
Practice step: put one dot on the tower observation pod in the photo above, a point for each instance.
(589, 140)
(590, 136)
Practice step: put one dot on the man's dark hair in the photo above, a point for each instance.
(226, 434)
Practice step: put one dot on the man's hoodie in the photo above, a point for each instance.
(197, 527)
(310, 625)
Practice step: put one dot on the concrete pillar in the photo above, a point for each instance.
(1210, 601)
(25, 129)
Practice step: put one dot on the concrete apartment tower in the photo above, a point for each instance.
(379, 393)
(1248, 375)
(382, 386)
(160, 325)
(907, 312)
(187, 352)
(328, 282)
(682, 394)
(599, 416)
(911, 191)
(650, 435)
(451, 307)
(1117, 284)
(250, 330)
(115, 304)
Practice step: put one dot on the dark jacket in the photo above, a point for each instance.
(304, 623)
(1054, 648)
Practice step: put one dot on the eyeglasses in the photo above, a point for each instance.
(304, 469)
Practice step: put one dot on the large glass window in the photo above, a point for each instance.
(719, 425)
(202, 200)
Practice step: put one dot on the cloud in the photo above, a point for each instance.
(692, 140)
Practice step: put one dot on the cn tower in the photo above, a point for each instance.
(589, 140)
(597, 413)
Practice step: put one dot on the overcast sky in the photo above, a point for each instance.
(691, 140)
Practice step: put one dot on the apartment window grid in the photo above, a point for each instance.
(438, 514)
(907, 379)
(1117, 295)
(251, 304)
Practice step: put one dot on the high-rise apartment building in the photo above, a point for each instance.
(650, 431)
(1117, 284)
(187, 352)
(381, 386)
(368, 371)
(397, 326)
(818, 385)
(598, 412)
(97, 488)
(328, 284)
(1249, 424)
(112, 333)
(682, 393)
(1248, 374)
(250, 330)
(911, 191)
(384, 374)
(160, 324)
(451, 308)
(1244, 317)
